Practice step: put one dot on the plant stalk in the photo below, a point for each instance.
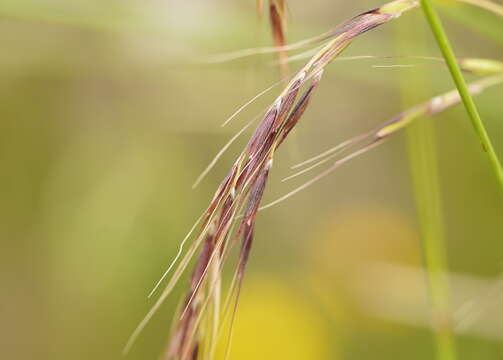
(450, 59)
(423, 164)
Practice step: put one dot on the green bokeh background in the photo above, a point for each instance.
(108, 113)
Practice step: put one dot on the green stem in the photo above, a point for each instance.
(422, 154)
(424, 171)
(471, 109)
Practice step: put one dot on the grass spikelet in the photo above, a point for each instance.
(380, 134)
(481, 66)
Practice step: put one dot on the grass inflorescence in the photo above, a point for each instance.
(227, 225)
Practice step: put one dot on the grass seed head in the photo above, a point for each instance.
(242, 189)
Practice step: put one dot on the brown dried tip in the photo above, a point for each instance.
(277, 18)
(260, 7)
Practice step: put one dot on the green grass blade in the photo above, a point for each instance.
(471, 109)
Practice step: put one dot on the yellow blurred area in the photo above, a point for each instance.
(273, 322)
(367, 234)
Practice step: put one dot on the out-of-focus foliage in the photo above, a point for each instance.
(107, 116)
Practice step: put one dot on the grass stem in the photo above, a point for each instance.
(448, 54)
(423, 164)
(424, 171)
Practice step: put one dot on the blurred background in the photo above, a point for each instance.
(109, 112)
